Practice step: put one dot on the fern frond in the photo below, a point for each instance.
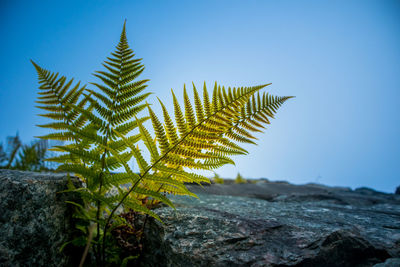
(142, 163)
(95, 120)
(176, 161)
(149, 142)
(129, 126)
(226, 107)
(153, 194)
(60, 136)
(180, 121)
(138, 206)
(257, 112)
(198, 105)
(131, 89)
(180, 175)
(57, 94)
(84, 172)
(207, 107)
(169, 126)
(225, 142)
(159, 131)
(118, 179)
(113, 162)
(64, 158)
(97, 125)
(83, 154)
(55, 126)
(238, 138)
(170, 189)
(125, 115)
(175, 186)
(120, 145)
(189, 114)
(128, 103)
(215, 163)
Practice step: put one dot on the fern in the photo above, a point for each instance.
(240, 180)
(217, 179)
(104, 126)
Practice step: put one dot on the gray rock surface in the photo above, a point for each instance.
(283, 191)
(392, 262)
(34, 219)
(263, 224)
(276, 224)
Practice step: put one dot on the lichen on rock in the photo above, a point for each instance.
(34, 219)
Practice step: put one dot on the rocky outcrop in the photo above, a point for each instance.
(278, 225)
(263, 224)
(34, 219)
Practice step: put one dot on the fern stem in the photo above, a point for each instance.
(87, 246)
(101, 249)
(98, 256)
(115, 97)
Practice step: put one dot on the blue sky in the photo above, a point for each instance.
(341, 60)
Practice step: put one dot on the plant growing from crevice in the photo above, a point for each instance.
(217, 179)
(104, 127)
(240, 180)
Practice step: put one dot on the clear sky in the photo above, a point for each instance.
(341, 59)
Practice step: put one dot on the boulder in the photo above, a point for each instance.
(34, 219)
(223, 230)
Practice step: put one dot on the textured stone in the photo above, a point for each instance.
(321, 227)
(34, 219)
(263, 224)
(392, 262)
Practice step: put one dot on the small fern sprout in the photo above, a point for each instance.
(240, 180)
(217, 179)
(104, 129)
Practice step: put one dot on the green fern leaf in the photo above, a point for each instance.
(103, 132)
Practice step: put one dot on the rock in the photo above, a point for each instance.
(397, 190)
(279, 191)
(34, 219)
(262, 224)
(392, 262)
(222, 230)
